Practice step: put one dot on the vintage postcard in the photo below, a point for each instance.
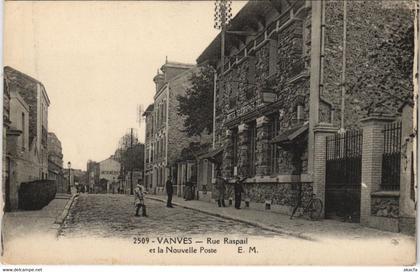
(269, 132)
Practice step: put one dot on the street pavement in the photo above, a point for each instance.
(113, 215)
(99, 229)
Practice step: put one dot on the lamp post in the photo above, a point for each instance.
(69, 188)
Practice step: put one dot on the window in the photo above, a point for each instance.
(252, 147)
(273, 129)
(235, 139)
(272, 61)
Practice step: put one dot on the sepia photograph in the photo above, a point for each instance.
(217, 132)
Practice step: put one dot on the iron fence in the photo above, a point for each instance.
(391, 157)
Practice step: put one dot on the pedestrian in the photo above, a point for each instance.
(188, 191)
(239, 189)
(221, 188)
(169, 192)
(139, 200)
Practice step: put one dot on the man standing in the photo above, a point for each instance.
(169, 191)
(239, 189)
(221, 188)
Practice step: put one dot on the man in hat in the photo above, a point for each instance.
(169, 192)
(239, 189)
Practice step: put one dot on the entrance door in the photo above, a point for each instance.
(343, 175)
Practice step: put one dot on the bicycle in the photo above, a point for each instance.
(313, 209)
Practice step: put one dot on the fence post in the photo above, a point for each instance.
(321, 131)
(373, 146)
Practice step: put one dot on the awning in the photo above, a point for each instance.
(290, 135)
(212, 155)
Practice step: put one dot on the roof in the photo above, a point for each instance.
(290, 135)
(212, 155)
(248, 15)
(148, 109)
(25, 81)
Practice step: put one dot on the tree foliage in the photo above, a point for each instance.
(130, 152)
(197, 104)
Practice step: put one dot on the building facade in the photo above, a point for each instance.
(35, 96)
(55, 163)
(286, 80)
(26, 153)
(165, 138)
(109, 171)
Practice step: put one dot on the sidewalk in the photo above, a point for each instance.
(20, 224)
(274, 221)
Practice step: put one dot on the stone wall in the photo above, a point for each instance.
(378, 57)
(285, 194)
(385, 206)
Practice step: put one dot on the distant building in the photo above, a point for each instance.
(26, 136)
(92, 171)
(165, 137)
(109, 171)
(55, 163)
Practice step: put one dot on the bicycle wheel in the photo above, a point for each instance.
(315, 209)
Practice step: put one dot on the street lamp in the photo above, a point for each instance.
(69, 166)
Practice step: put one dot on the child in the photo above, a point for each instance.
(139, 200)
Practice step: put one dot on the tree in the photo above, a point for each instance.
(197, 104)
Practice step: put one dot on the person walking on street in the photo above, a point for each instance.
(221, 188)
(169, 192)
(239, 189)
(139, 200)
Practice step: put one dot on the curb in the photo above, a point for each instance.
(60, 219)
(252, 223)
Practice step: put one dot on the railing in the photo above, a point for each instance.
(391, 157)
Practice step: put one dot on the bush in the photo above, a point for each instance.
(36, 194)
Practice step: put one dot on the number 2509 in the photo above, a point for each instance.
(140, 240)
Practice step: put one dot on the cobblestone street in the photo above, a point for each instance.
(113, 215)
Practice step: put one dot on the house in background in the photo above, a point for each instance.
(165, 138)
(109, 171)
(55, 163)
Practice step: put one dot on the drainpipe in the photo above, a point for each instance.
(343, 70)
(214, 118)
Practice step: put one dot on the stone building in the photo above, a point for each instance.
(282, 82)
(35, 96)
(165, 138)
(26, 153)
(5, 158)
(55, 162)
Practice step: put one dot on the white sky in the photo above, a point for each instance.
(97, 60)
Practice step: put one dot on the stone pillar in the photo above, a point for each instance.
(263, 146)
(321, 131)
(243, 141)
(373, 145)
(227, 154)
(408, 187)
